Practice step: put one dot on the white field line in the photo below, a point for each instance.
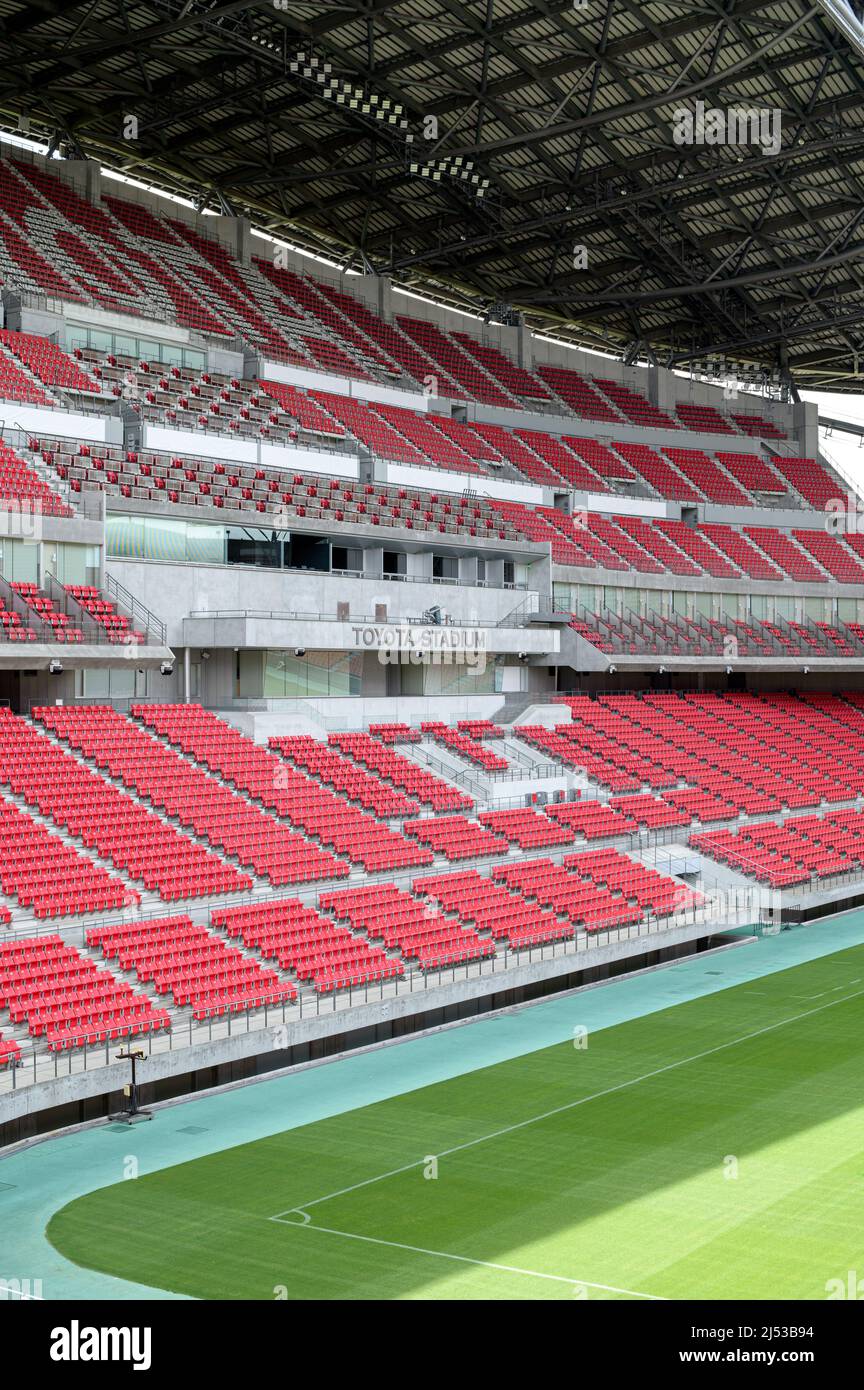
(466, 1259)
(303, 1210)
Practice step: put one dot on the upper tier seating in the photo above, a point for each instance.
(634, 406)
(514, 379)
(756, 426)
(703, 419)
(454, 363)
(578, 394)
(673, 634)
(397, 346)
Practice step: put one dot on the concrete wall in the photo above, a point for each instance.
(173, 591)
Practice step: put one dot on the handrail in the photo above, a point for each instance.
(136, 609)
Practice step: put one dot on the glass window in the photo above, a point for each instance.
(633, 600)
(125, 536)
(316, 674)
(205, 544)
(164, 538)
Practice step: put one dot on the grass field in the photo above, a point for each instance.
(714, 1150)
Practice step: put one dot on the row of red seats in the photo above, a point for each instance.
(399, 771)
(323, 762)
(183, 791)
(193, 966)
(299, 939)
(401, 921)
(465, 746)
(486, 905)
(456, 837)
(281, 788)
(107, 820)
(64, 997)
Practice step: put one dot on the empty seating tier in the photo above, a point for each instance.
(404, 923)
(192, 966)
(320, 953)
(268, 779)
(108, 821)
(67, 1000)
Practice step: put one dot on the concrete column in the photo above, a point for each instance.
(237, 233)
(187, 675)
(377, 291)
(524, 347)
(373, 561)
(468, 569)
(86, 175)
(805, 422)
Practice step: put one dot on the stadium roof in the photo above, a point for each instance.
(556, 124)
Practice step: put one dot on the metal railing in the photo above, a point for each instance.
(135, 609)
(36, 1065)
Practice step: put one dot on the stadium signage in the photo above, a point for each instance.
(77, 1343)
(401, 644)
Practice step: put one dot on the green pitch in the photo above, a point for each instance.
(714, 1150)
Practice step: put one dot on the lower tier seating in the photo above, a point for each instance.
(299, 939)
(400, 921)
(65, 998)
(192, 966)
